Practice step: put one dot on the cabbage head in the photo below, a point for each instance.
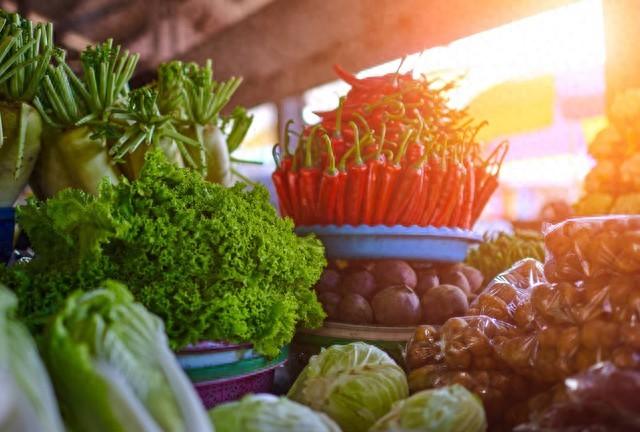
(354, 384)
(27, 400)
(268, 413)
(112, 369)
(445, 409)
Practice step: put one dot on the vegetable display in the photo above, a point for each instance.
(612, 186)
(98, 128)
(214, 263)
(392, 152)
(535, 326)
(500, 251)
(396, 292)
(268, 413)
(354, 384)
(25, 51)
(447, 409)
(27, 401)
(113, 370)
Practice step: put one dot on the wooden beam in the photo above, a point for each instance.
(290, 46)
(621, 29)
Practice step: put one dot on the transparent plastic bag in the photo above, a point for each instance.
(507, 297)
(584, 248)
(604, 398)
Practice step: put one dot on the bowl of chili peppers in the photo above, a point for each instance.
(392, 153)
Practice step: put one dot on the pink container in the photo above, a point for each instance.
(218, 391)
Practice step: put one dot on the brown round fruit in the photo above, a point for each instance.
(358, 282)
(458, 279)
(474, 277)
(355, 309)
(329, 281)
(426, 281)
(394, 272)
(444, 302)
(396, 305)
(330, 301)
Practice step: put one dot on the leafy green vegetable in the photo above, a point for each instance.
(268, 413)
(214, 263)
(193, 98)
(25, 51)
(113, 370)
(23, 378)
(354, 384)
(500, 251)
(446, 409)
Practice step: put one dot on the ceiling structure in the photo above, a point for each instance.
(280, 47)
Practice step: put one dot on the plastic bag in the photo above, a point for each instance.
(507, 297)
(584, 248)
(604, 398)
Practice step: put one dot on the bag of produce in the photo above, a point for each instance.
(447, 409)
(583, 248)
(113, 370)
(268, 413)
(354, 384)
(27, 401)
(604, 398)
(25, 51)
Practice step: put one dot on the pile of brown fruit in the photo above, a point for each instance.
(534, 326)
(397, 293)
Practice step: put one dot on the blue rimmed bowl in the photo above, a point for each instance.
(396, 242)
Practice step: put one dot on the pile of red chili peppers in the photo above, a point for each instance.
(394, 153)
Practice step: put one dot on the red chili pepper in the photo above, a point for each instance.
(449, 197)
(309, 178)
(341, 193)
(437, 168)
(388, 179)
(420, 201)
(489, 188)
(375, 166)
(469, 195)
(456, 216)
(488, 183)
(279, 182)
(328, 195)
(356, 183)
(294, 193)
(407, 191)
(414, 215)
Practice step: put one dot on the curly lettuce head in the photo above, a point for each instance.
(354, 384)
(214, 263)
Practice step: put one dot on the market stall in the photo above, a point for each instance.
(149, 283)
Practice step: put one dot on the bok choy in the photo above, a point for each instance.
(113, 370)
(27, 401)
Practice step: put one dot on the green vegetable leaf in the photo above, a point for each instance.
(268, 413)
(113, 370)
(29, 383)
(354, 384)
(214, 263)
